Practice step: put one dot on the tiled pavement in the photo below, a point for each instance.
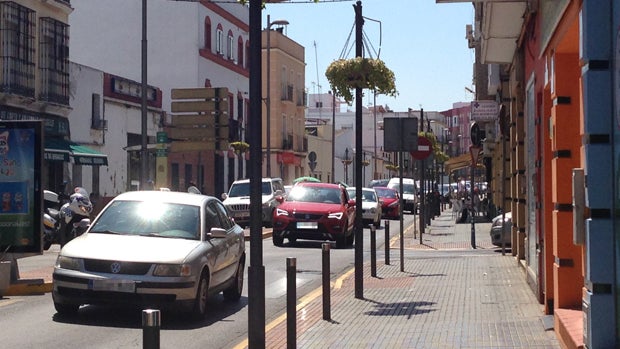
(448, 296)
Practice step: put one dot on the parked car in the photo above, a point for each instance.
(315, 211)
(390, 202)
(378, 183)
(153, 248)
(371, 207)
(410, 199)
(237, 200)
(497, 236)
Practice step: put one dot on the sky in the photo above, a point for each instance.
(422, 42)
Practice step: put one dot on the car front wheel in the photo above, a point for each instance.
(66, 309)
(277, 240)
(200, 303)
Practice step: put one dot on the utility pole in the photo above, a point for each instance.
(422, 179)
(256, 270)
(359, 229)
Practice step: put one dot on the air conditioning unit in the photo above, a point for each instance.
(100, 124)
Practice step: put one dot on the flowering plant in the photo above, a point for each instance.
(347, 74)
(240, 147)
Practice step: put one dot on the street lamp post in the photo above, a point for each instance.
(268, 101)
(144, 153)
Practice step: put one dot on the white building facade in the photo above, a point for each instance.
(189, 45)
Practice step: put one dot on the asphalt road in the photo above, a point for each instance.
(32, 322)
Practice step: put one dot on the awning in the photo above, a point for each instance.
(57, 149)
(459, 162)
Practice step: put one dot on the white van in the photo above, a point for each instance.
(410, 198)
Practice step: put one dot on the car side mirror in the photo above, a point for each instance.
(84, 223)
(224, 196)
(280, 198)
(216, 233)
(351, 202)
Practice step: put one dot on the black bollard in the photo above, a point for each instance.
(291, 302)
(387, 242)
(151, 322)
(326, 286)
(373, 251)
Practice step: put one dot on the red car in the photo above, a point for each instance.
(390, 202)
(315, 211)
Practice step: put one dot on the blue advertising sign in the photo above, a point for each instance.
(21, 152)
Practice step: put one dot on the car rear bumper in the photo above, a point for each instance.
(497, 239)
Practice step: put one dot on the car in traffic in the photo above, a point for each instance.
(378, 183)
(315, 211)
(237, 200)
(501, 233)
(371, 207)
(390, 202)
(167, 249)
(410, 197)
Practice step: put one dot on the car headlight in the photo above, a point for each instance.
(281, 212)
(172, 270)
(336, 215)
(68, 263)
(373, 210)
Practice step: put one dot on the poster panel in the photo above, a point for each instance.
(21, 152)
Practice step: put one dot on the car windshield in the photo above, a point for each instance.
(243, 189)
(149, 218)
(314, 194)
(386, 193)
(367, 195)
(407, 188)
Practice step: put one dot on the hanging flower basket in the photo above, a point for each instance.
(345, 75)
(240, 147)
(365, 163)
(391, 167)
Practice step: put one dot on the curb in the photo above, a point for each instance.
(28, 287)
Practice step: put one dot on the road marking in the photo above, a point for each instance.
(303, 301)
(7, 302)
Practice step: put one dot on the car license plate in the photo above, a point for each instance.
(307, 225)
(112, 285)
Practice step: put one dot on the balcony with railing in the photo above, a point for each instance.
(54, 61)
(302, 97)
(287, 93)
(54, 87)
(287, 142)
(17, 77)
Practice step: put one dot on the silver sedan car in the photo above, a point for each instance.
(153, 248)
(371, 206)
(501, 233)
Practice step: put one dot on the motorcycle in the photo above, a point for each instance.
(51, 218)
(75, 216)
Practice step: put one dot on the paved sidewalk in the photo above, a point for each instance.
(449, 296)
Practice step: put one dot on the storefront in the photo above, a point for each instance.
(59, 151)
